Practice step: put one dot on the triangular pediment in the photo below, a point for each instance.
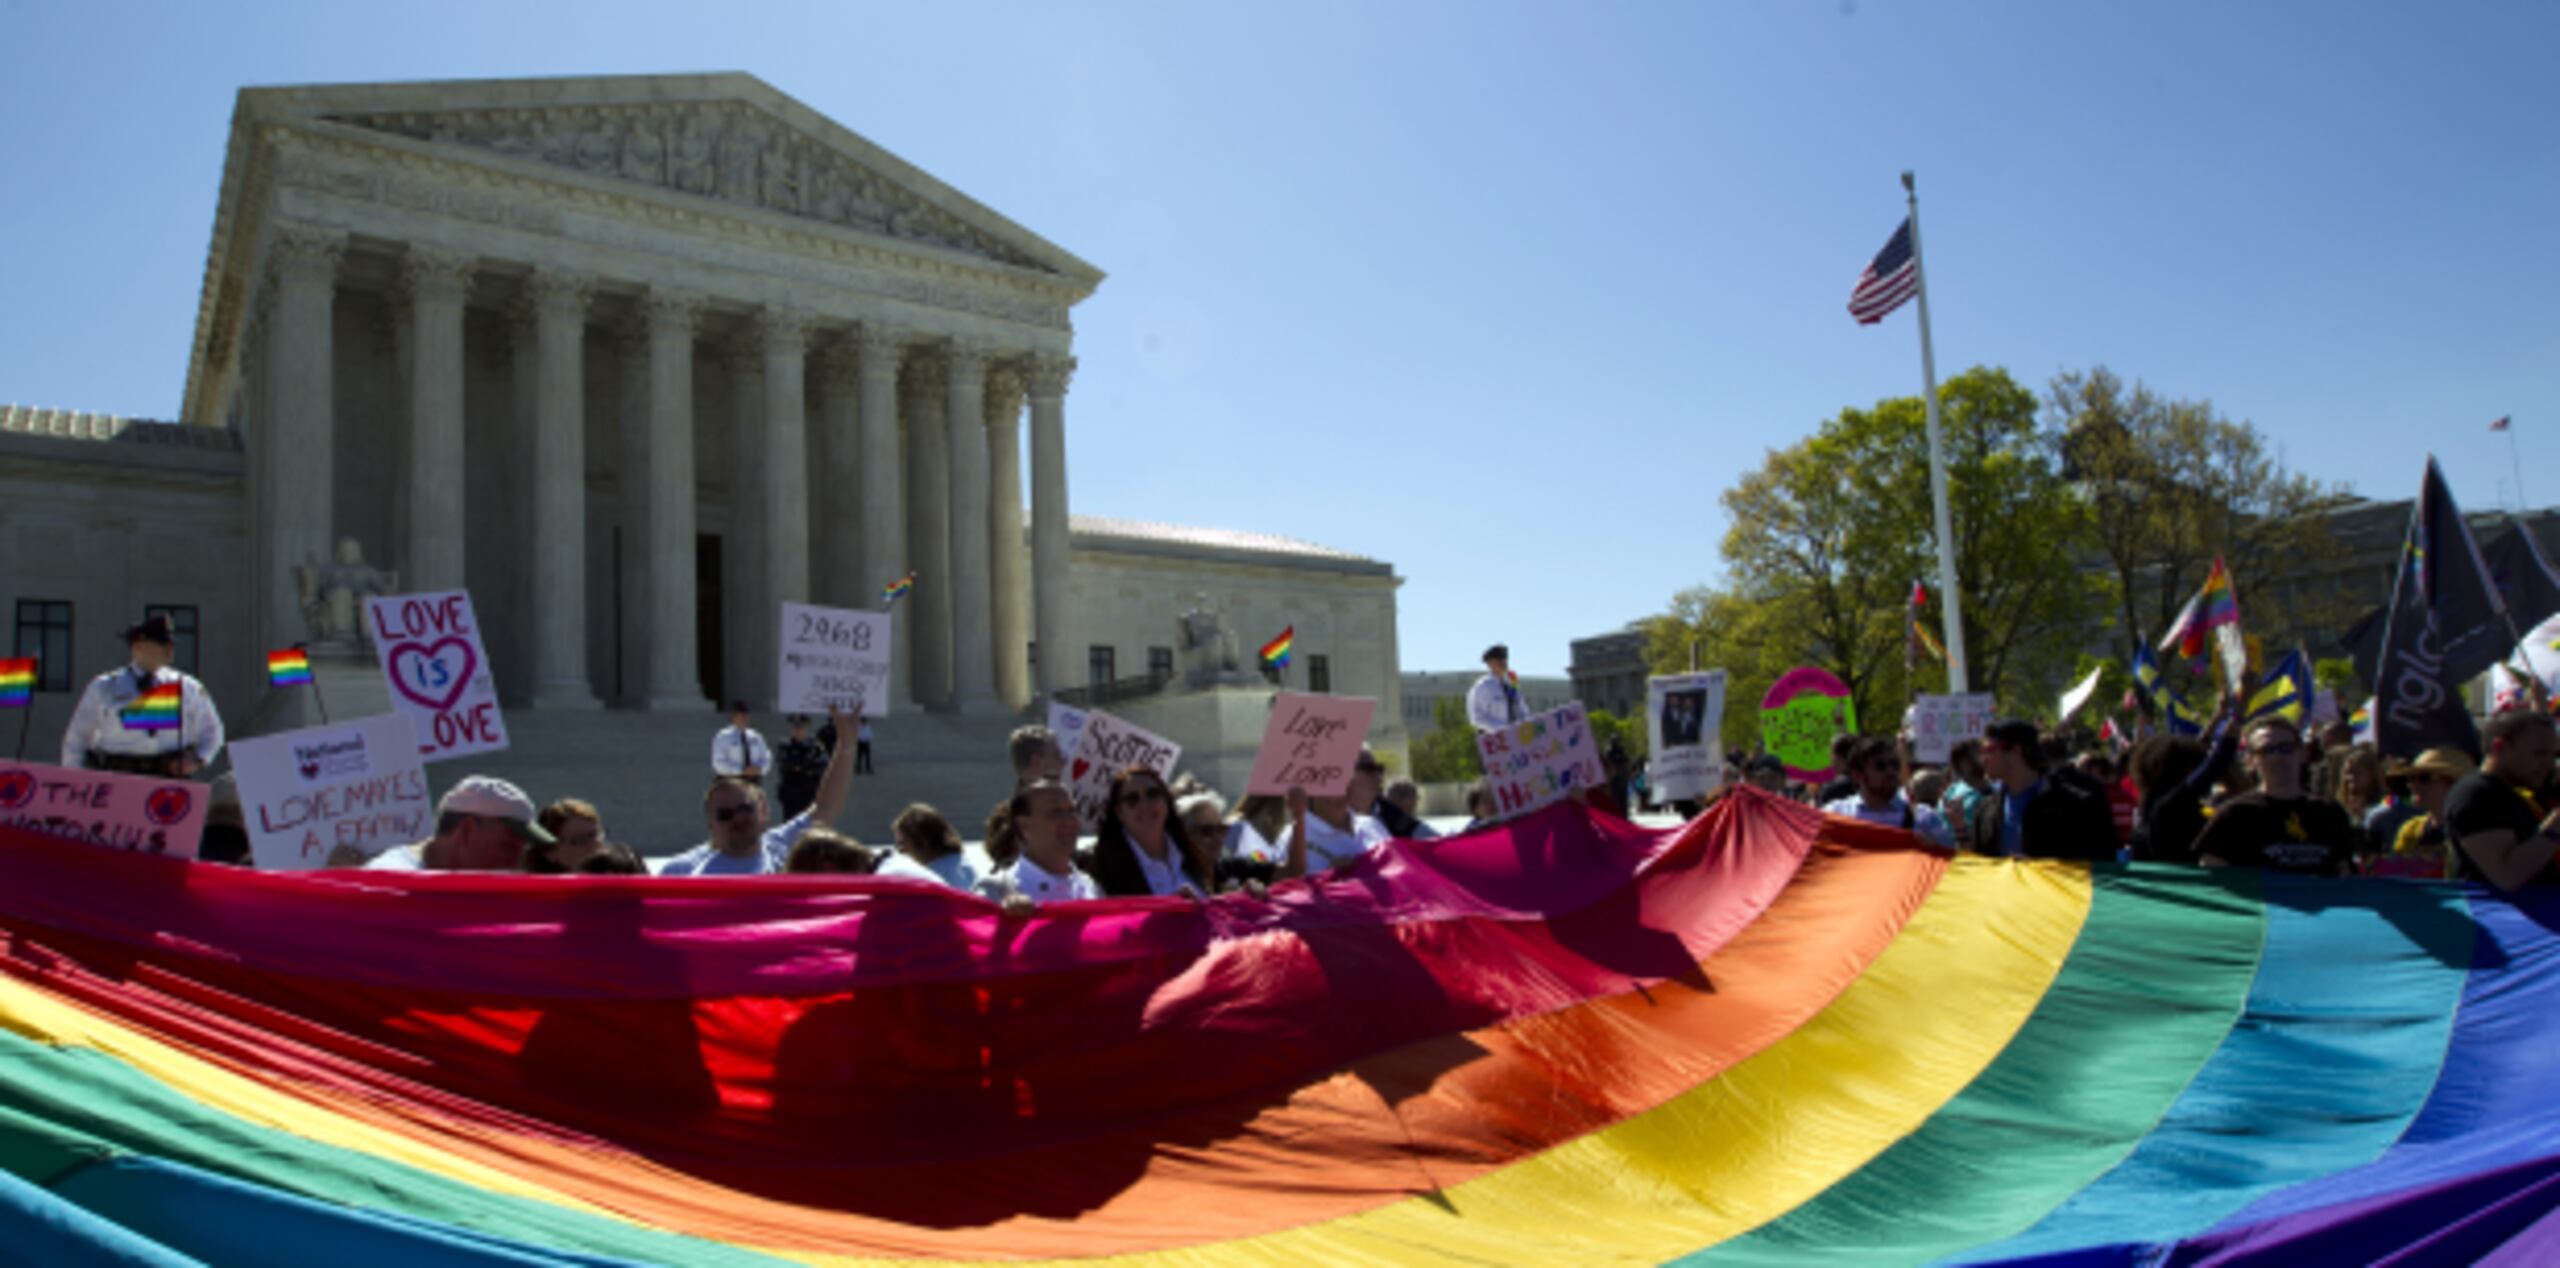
(728, 137)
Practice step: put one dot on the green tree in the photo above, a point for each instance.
(1630, 731)
(1448, 753)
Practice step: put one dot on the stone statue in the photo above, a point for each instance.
(333, 594)
(1209, 656)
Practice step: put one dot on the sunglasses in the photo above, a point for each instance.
(2281, 748)
(1209, 827)
(1141, 796)
(727, 813)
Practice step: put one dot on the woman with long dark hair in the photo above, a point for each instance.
(1141, 850)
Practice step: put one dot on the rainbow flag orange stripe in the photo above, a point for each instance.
(1276, 652)
(897, 589)
(156, 709)
(288, 668)
(17, 682)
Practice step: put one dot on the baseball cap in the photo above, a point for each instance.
(492, 798)
(1497, 652)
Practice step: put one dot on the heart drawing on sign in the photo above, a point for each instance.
(1077, 773)
(434, 674)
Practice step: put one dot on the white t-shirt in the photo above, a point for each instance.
(1925, 821)
(1041, 885)
(1245, 842)
(953, 869)
(1328, 845)
(399, 858)
(702, 860)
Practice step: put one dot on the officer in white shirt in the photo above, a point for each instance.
(106, 732)
(1494, 702)
(744, 841)
(739, 749)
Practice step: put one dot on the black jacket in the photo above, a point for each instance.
(2069, 819)
(1116, 871)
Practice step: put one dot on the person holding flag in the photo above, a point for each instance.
(1493, 703)
(147, 718)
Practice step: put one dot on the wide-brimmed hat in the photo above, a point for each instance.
(2446, 763)
(154, 628)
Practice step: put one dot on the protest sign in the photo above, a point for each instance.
(1542, 760)
(348, 789)
(1105, 747)
(1067, 723)
(1804, 709)
(1685, 717)
(834, 657)
(439, 673)
(122, 812)
(1937, 722)
(1311, 743)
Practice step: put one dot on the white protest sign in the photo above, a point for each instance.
(1544, 759)
(1311, 743)
(834, 657)
(121, 812)
(1107, 746)
(1685, 718)
(1939, 722)
(344, 789)
(1067, 723)
(439, 673)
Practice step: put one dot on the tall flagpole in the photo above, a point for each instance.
(1954, 613)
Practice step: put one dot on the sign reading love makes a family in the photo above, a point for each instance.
(1545, 759)
(1805, 708)
(121, 812)
(438, 671)
(1107, 746)
(834, 658)
(332, 795)
(1311, 742)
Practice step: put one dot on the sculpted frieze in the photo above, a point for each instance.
(731, 153)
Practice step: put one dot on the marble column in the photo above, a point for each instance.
(1061, 664)
(877, 352)
(744, 601)
(558, 540)
(835, 496)
(631, 508)
(1005, 535)
(300, 454)
(783, 492)
(929, 529)
(436, 283)
(973, 671)
(675, 667)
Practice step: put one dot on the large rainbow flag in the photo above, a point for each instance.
(1764, 1038)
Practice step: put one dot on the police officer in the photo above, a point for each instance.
(107, 733)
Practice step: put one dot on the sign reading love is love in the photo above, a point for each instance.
(1311, 742)
(1805, 708)
(438, 671)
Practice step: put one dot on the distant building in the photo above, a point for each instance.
(1424, 691)
(1609, 670)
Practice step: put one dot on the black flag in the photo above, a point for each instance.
(2447, 624)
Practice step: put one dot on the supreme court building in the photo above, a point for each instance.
(634, 359)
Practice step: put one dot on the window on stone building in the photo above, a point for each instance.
(1031, 657)
(1102, 664)
(182, 622)
(1319, 674)
(1160, 662)
(44, 632)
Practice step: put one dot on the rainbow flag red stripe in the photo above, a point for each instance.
(897, 589)
(288, 668)
(156, 709)
(17, 682)
(1276, 652)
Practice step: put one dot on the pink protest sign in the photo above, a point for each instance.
(1311, 743)
(438, 671)
(1804, 709)
(121, 812)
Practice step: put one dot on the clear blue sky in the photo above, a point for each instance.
(1506, 294)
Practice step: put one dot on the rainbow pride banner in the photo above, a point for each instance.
(1764, 1038)
(156, 709)
(17, 682)
(290, 667)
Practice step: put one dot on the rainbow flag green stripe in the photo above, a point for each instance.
(17, 682)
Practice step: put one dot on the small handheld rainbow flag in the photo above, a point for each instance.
(288, 668)
(2213, 607)
(156, 709)
(1275, 654)
(17, 682)
(896, 590)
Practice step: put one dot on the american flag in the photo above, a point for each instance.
(1891, 278)
(2501, 424)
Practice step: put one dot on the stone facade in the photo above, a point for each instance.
(1609, 670)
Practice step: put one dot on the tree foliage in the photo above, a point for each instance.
(1447, 754)
(1629, 731)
